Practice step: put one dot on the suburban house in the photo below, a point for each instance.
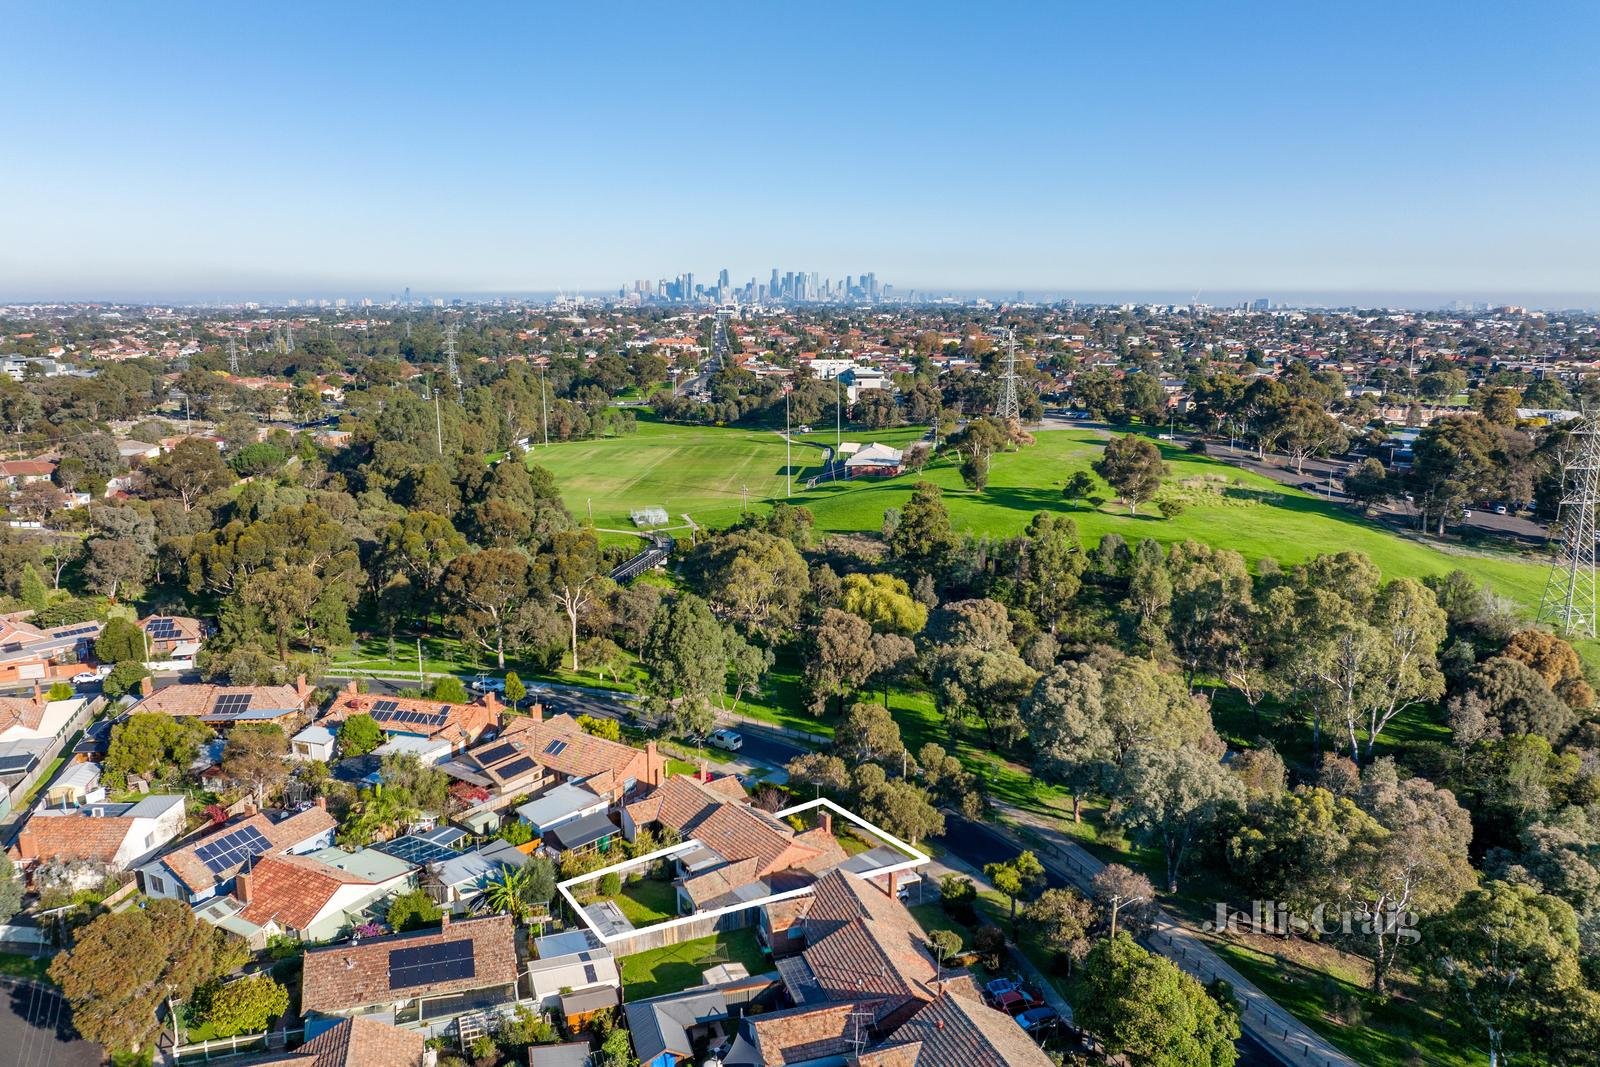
(17, 473)
(875, 461)
(738, 847)
(571, 963)
(172, 637)
(318, 896)
(134, 453)
(359, 1042)
(30, 653)
(223, 705)
(666, 1030)
(456, 882)
(561, 805)
(207, 866)
(459, 724)
(36, 717)
(116, 835)
(534, 755)
(955, 1027)
(422, 979)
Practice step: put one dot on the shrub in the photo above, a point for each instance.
(990, 944)
(959, 898)
(408, 911)
(60, 691)
(611, 884)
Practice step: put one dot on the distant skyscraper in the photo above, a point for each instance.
(1260, 304)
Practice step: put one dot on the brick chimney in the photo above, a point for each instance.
(444, 922)
(827, 820)
(241, 887)
(302, 691)
(321, 802)
(147, 686)
(27, 844)
(248, 808)
(653, 763)
(492, 702)
(537, 711)
(705, 771)
(352, 687)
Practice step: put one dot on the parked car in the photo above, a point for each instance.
(85, 678)
(728, 740)
(1310, 487)
(1500, 509)
(483, 683)
(1035, 1020)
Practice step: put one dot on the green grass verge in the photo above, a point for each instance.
(677, 967)
(1334, 1004)
(16, 965)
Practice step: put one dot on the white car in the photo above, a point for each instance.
(85, 678)
(485, 684)
(726, 739)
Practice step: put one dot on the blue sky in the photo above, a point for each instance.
(346, 148)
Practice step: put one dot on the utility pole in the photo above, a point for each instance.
(438, 424)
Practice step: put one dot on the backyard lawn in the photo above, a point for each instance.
(647, 901)
(676, 967)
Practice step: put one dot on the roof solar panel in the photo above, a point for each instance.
(515, 767)
(232, 849)
(555, 748)
(384, 705)
(499, 752)
(232, 703)
(426, 964)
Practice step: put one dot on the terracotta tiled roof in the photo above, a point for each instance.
(863, 945)
(200, 699)
(959, 1027)
(736, 832)
(345, 976)
(22, 711)
(358, 1042)
(74, 837)
(560, 744)
(283, 835)
(802, 1034)
(292, 890)
(461, 726)
(683, 799)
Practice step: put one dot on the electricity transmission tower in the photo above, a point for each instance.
(233, 355)
(451, 367)
(288, 337)
(1569, 593)
(1009, 409)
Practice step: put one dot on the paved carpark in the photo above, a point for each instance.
(35, 1030)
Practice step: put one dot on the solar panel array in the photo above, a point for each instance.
(450, 961)
(555, 748)
(409, 718)
(18, 763)
(232, 704)
(162, 629)
(79, 631)
(499, 752)
(514, 768)
(232, 850)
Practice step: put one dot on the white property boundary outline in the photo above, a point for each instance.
(917, 859)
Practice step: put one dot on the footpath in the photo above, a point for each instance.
(1279, 1032)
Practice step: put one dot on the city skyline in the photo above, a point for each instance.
(1242, 150)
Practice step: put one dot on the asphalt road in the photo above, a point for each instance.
(36, 1030)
